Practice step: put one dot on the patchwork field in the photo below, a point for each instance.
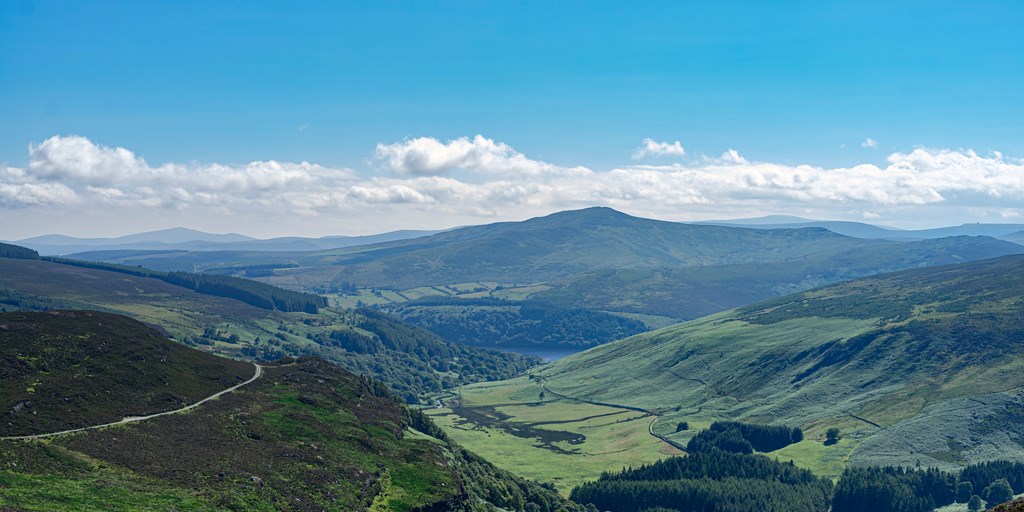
(546, 438)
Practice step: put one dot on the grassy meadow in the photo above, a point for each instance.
(547, 439)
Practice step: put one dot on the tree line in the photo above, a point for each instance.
(744, 438)
(897, 489)
(17, 252)
(413, 362)
(713, 480)
(494, 321)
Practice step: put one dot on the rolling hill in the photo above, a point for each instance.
(570, 243)
(863, 230)
(183, 239)
(919, 367)
(596, 259)
(413, 362)
(305, 435)
(691, 292)
(1016, 237)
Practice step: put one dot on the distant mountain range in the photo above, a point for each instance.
(184, 239)
(595, 258)
(863, 230)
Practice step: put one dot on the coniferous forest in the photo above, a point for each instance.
(712, 480)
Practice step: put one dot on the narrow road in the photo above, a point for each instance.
(133, 419)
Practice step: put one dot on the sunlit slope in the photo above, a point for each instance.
(569, 243)
(916, 366)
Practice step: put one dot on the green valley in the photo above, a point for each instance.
(915, 368)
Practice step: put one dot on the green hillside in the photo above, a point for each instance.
(572, 242)
(688, 293)
(303, 436)
(412, 361)
(596, 259)
(920, 367)
(62, 370)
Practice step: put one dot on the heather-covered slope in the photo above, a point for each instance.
(304, 435)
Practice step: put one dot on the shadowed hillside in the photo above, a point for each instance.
(303, 436)
(69, 369)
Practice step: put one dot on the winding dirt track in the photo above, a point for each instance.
(134, 419)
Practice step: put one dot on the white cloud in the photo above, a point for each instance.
(651, 147)
(72, 179)
(869, 143)
(118, 175)
(427, 156)
(18, 190)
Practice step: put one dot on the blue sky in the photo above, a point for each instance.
(573, 84)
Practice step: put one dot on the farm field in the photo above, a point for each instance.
(547, 439)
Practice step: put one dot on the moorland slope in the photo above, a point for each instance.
(304, 436)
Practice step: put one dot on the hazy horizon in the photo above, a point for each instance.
(483, 222)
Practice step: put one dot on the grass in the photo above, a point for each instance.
(305, 433)
(824, 460)
(918, 367)
(614, 438)
(105, 490)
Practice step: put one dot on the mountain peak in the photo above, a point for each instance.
(587, 216)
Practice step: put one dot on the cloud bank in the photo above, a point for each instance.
(429, 183)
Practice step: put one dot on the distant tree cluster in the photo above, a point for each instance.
(254, 293)
(745, 438)
(17, 252)
(414, 362)
(898, 489)
(493, 321)
(714, 480)
(982, 475)
(261, 270)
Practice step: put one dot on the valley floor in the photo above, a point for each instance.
(546, 438)
(522, 427)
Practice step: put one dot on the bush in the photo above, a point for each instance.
(998, 492)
